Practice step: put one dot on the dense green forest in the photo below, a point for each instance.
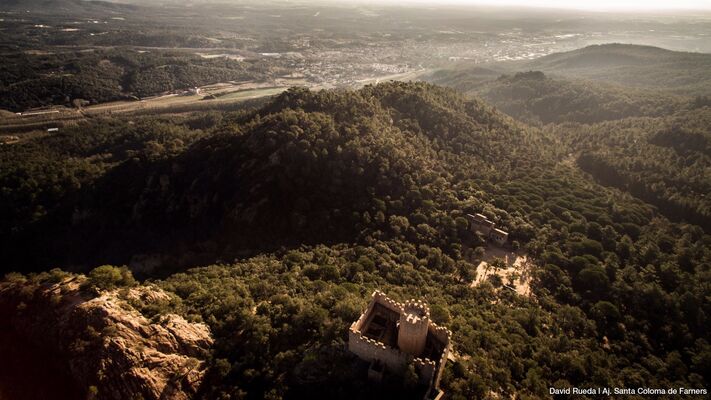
(537, 99)
(664, 161)
(35, 80)
(321, 197)
(329, 165)
(645, 134)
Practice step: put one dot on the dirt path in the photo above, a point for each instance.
(518, 272)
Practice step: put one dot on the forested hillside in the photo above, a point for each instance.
(324, 196)
(538, 99)
(651, 142)
(631, 65)
(588, 85)
(30, 80)
(306, 168)
(535, 98)
(664, 161)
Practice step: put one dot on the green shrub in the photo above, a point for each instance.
(107, 277)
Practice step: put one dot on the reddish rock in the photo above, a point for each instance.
(106, 343)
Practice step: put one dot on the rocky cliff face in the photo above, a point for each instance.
(110, 349)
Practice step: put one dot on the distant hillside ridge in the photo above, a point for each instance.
(618, 65)
(632, 65)
(64, 6)
(607, 55)
(537, 98)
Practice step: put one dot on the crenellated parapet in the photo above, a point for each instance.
(369, 342)
(444, 335)
(373, 350)
(408, 337)
(417, 312)
(440, 332)
(386, 301)
(426, 368)
(358, 324)
(417, 307)
(424, 362)
(414, 324)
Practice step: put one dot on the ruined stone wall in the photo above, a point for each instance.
(380, 298)
(395, 360)
(358, 325)
(415, 325)
(370, 350)
(444, 335)
(499, 236)
(426, 369)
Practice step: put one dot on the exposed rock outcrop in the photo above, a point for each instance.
(111, 350)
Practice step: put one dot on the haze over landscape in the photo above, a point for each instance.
(603, 5)
(368, 199)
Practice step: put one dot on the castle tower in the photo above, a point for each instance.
(414, 322)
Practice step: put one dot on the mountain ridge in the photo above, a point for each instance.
(305, 168)
(69, 7)
(632, 65)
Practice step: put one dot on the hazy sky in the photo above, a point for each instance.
(601, 5)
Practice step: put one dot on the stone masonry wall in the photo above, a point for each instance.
(370, 350)
(430, 371)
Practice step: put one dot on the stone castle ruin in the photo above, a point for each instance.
(392, 335)
(479, 223)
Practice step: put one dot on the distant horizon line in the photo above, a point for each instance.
(518, 4)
